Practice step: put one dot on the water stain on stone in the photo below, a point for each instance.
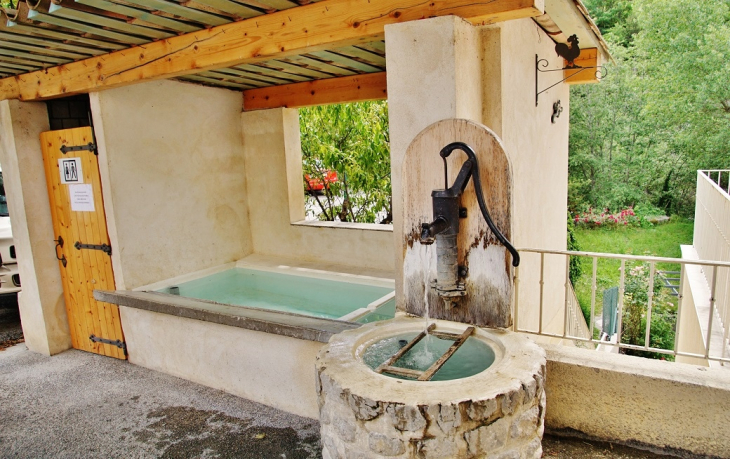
(185, 432)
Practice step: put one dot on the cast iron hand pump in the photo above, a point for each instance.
(445, 226)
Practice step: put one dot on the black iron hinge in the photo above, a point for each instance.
(89, 147)
(106, 248)
(117, 342)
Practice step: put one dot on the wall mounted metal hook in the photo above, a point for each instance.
(557, 110)
(600, 73)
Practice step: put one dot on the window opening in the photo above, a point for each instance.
(69, 112)
(346, 162)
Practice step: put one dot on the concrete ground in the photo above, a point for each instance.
(77, 404)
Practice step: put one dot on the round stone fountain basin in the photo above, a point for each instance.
(473, 357)
(497, 412)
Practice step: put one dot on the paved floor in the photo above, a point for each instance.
(80, 405)
(77, 404)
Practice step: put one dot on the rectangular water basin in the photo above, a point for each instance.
(290, 290)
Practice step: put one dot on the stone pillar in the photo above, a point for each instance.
(434, 69)
(42, 307)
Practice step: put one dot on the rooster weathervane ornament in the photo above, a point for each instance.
(570, 52)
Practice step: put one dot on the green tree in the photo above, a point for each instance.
(661, 113)
(352, 140)
(615, 19)
(683, 52)
(9, 4)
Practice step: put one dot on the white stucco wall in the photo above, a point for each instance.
(41, 303)
(434, 73)
(633, 400)
(446, 68)
(173, 178)
(539, 153)
(267, 368)
(272, 147)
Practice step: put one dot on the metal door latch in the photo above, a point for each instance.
(118, 343)
(106, 248)
(89, 147)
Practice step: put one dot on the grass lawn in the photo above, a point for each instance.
(661, 240)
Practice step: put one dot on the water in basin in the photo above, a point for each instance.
(473, 357)
(281, 292)
(383, 312)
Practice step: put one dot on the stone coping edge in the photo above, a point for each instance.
(673, 372)
(517, 360)
(276, 322)
(344, 225)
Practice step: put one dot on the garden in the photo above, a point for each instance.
(630, 232)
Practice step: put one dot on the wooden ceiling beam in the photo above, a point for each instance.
(312, 27)
(357, 88)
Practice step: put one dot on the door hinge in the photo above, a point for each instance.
(89, 147)
(117, 342)
(106, 248)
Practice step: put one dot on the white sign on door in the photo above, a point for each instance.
(70, 169)
(82, 198)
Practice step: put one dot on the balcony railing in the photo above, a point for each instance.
(544, 276)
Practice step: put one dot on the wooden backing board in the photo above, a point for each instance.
(488, 284)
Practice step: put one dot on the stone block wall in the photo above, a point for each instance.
(498, 413)
(509, 426)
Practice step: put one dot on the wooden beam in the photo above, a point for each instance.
(370, 86)
(313, 27)
(588, 58)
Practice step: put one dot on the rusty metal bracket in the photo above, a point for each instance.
(106, 248)
(117, 342)
(88, 147)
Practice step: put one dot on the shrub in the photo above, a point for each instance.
(593, 219)
(634, 317)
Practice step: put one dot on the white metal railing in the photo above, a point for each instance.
(549, 313)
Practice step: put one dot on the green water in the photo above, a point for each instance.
(282, 292)
(473, 357)
(383, 312)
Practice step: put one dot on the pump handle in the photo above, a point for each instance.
(445, 153)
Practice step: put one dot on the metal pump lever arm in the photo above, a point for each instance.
(473, 170)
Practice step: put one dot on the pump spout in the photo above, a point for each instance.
(430, 230)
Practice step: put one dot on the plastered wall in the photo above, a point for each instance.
(272, 148)
(446, 68)
(172, 169)
(433, 74)
(673, 406)
(539, 152)
(41, 303)
(271, 369)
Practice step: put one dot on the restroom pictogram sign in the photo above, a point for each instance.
(70, 170)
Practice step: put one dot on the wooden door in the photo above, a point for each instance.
(79, 224)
